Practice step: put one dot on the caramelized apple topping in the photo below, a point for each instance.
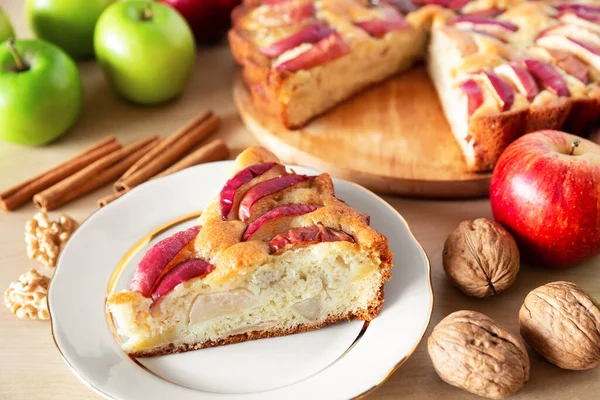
(307, 236)
(228, 192)
(183, 272)
(273, 221)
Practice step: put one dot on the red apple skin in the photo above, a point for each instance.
(183, 272)
(549, 200)
(310, 34)
(380, 27)
(209, 19)
(275, 219)
(474, 95)
(326, 50)
(157, 258)
(228, 193)
(306, 236)
(266, 188)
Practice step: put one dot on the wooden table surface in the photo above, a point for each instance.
(31, 367)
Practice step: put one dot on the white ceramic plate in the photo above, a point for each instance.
(342, 361)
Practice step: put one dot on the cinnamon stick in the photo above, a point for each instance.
(109, 199)
(216, 150)
(192, 125)
(94, 175)
(168, 151)
(16, 196)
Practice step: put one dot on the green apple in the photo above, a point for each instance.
(67, 23)
(6, 29)
(40, 92)
(146, 50)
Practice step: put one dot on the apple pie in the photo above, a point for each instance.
(274, 254)
(501, 68)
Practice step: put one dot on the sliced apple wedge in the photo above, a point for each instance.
(547, 76)
(588, 53)
(275, 221)
(520, 78)
(579, 6)
(156, 259)
(583, 18)
(301, 13)
(474, 95)
(183, 272)
(310, 34)
(264, 189)
(307, 236)
(570, 64)
(573, 31)
(326, 50)
(475, 22)
(442, 3)
(231, 193)
(380, 27)
(502, 91)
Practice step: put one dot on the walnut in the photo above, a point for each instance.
(562, 323)
(45, 239)
(26, 298)
(481, 258)
(470, 351)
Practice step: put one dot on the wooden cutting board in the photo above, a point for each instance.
(392, 138)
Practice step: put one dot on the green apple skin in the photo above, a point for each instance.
(6, 29)
(40, 104)
(146, 61)
(69, 24)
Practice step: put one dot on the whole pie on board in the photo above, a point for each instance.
(501, 68)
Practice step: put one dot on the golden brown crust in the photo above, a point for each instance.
(491, 134)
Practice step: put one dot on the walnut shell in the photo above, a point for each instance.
(481, 258)
(470, 351)
(562, 323)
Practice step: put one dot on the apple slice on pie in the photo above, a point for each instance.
(274, 254)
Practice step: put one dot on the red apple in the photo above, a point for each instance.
(183, 272)
(264, 189)
(547, 76)
(326, 50)
(156, 259)
(233, 189)
(474, 95)
(276, 220)
(442, 3)
(545, 190)
(209, 19)
(520, 78)
(504, 93)
(310, 34)
(379, 27)
(308, 235)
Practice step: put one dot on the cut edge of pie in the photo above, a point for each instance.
(301, 259)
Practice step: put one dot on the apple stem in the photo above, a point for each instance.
(147, 14)
(21, 66)
(574, 145)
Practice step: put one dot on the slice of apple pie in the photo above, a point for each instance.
(276, 253)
